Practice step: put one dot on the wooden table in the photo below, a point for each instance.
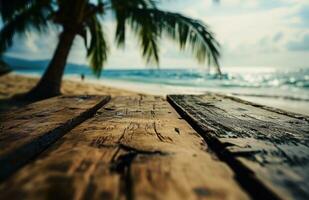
(144, 147)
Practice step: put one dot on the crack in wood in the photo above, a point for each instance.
(140, 100)
(272, 147)
(160, 136)
(244, 176)
(130, 128)
(122, 166)
(117, 155)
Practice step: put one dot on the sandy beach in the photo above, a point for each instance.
(11, 84)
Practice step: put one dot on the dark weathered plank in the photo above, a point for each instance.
(134, 148)
(28, 131)
(269, 150)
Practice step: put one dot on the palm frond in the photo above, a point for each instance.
(121, 14)
(32, 18)
(148, 34)
(120, 29)
(8, 8)
(98, 50)
(124, 4)
(189, 33)
(144, 27)
(150, 24)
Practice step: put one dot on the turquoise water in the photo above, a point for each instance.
(292, 84)
(286, 89)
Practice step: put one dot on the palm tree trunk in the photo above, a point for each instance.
(50, 83)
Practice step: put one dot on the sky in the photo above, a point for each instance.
(252, 33)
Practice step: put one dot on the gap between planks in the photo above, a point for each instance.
(134, 148)
(266, 149)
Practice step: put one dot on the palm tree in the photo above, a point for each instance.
(84, 18)
(4, 68)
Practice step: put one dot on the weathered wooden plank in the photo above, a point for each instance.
(268, 149)
(134, 148)
(26, 132)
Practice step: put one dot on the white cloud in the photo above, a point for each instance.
(31, 42)
(299, 44)
(252, 32)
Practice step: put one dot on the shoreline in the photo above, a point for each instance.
(13, 83)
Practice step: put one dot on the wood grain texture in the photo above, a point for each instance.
(134, 148)
(26, 132)
(268, 149)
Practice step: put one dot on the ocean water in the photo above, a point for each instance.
(259, 82)
(269, 83)
(289, 87)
